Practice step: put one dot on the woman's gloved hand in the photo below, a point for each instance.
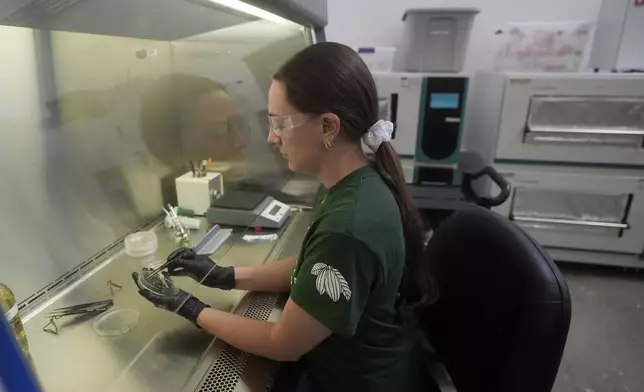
(173, 299)
(185, 262)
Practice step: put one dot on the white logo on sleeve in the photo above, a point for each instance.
(331, 282)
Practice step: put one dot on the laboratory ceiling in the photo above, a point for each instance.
(165, 20)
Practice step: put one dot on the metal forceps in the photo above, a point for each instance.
(92, 308)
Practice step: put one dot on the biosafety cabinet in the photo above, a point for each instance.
(111, 101)
(572, 145)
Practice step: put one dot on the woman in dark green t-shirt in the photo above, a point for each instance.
(345, 323)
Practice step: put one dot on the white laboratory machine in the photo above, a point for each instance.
(428, 111)
(618, 37)
(574, 118)
(196, 192)
(572, 146)
(205, 196)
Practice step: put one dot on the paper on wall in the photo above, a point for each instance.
(543, 46)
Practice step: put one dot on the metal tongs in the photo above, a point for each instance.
(157, 270)
(88, 308)
(91, 308)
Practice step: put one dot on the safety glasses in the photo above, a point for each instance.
(284, 123)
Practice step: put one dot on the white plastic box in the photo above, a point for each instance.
(436, 39)
(378, 58)
(196, 193)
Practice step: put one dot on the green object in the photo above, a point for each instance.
(185, 212)
(347, 277)
(10, 310)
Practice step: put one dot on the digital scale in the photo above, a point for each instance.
(238, 208)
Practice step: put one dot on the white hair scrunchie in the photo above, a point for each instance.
(378, 133)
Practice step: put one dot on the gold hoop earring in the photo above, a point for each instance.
(328, 144)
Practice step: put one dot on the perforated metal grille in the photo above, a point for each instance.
(292, 241)
(224, 374)
(261, 306)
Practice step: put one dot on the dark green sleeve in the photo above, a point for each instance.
(333, 283)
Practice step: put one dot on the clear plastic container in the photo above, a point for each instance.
(436, 39)
(142, 245)
(379, 58)
(116, 322)
(159, 283)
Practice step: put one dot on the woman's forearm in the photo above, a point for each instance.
(273, 276)
(253, 336)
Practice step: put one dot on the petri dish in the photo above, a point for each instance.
(141, 244)
(159, 283)
(116, 322)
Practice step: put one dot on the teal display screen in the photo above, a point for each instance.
(444, 100)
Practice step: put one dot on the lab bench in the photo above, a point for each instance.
(163, 352)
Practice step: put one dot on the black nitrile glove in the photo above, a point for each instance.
(185, 262)
(172, 299)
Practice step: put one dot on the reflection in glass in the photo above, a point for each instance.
(102, 123)
(103, 104)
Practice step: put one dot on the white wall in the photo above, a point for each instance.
(379, 22)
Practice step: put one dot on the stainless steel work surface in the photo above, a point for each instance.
(161, 352)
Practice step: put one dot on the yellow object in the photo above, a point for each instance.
(10, 310)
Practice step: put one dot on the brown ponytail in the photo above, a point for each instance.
(418, 279)
(332, 78)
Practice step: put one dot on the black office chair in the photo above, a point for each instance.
(503, 312)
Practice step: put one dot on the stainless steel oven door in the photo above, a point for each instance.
(585, 122)
(573, 120)
(570, 210)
